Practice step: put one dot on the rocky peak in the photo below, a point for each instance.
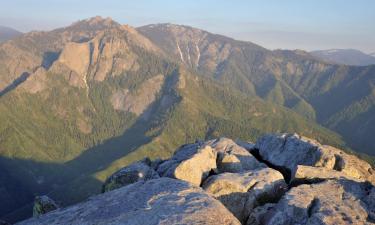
(96, 22)
(193, 47)
(193, 187)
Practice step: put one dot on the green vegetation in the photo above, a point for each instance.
(65, 140)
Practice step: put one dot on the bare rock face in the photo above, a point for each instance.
(191, 163)
(36, 82)
(159, 201)
(139, 171)
(242, 192)
(43, 204)
(289, 151)
(232, 157)
(76, 56)
(138, 101)
(331, 202)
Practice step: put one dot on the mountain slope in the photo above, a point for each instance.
(345, 56)
(82, 101)
(98, 95)
(7, 33)
(295, 79)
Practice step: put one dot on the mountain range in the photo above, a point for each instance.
(79, 102)
(345, 56)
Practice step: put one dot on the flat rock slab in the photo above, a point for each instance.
(160, 201)
(330, 202)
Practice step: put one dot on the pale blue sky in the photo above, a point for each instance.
(290, 24)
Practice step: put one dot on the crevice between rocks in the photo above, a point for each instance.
(287, 174)
(313, 207)
(298, 182)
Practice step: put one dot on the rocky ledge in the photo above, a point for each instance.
(282, 179)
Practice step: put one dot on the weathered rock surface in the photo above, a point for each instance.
(158, 201)
(331, 202)
(43, 204)
(138, 101)
(315, 174)
(191, 163)
(327, 186)
(139, 171)
(241, 192)
(288, 151)
(232, 157)
(259, 214)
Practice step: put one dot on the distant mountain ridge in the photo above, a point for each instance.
(7, 33)
(345, 56)
(97, 95)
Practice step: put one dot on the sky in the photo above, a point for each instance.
(274, 24)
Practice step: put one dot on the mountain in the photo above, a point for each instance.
(297, 80)
(345, 56)
(282, 179)
(79, 102)
(7, 33)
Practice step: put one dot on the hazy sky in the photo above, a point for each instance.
(291, 24)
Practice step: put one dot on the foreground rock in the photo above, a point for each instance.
(191, 163)
(330, 202)
(289, 151)
(232, 157)
(241, 192)
(139, 171)
(259, 214)
(43, 204)
(158, 201)
(326, 186)
(309, 174)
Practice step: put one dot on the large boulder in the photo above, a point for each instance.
(43, 204)
(233, 158)
(241, 192)
(192, 163)
(158, 201)
(139, 171)
(291, 150)
(330, 202)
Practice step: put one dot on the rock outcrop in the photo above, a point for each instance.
(289, 151)
(158, 201)
(241, 192)
(139, 171)
(225, 182)
(43, 204)
(191, 163)
(331, 202)
(232, 157)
